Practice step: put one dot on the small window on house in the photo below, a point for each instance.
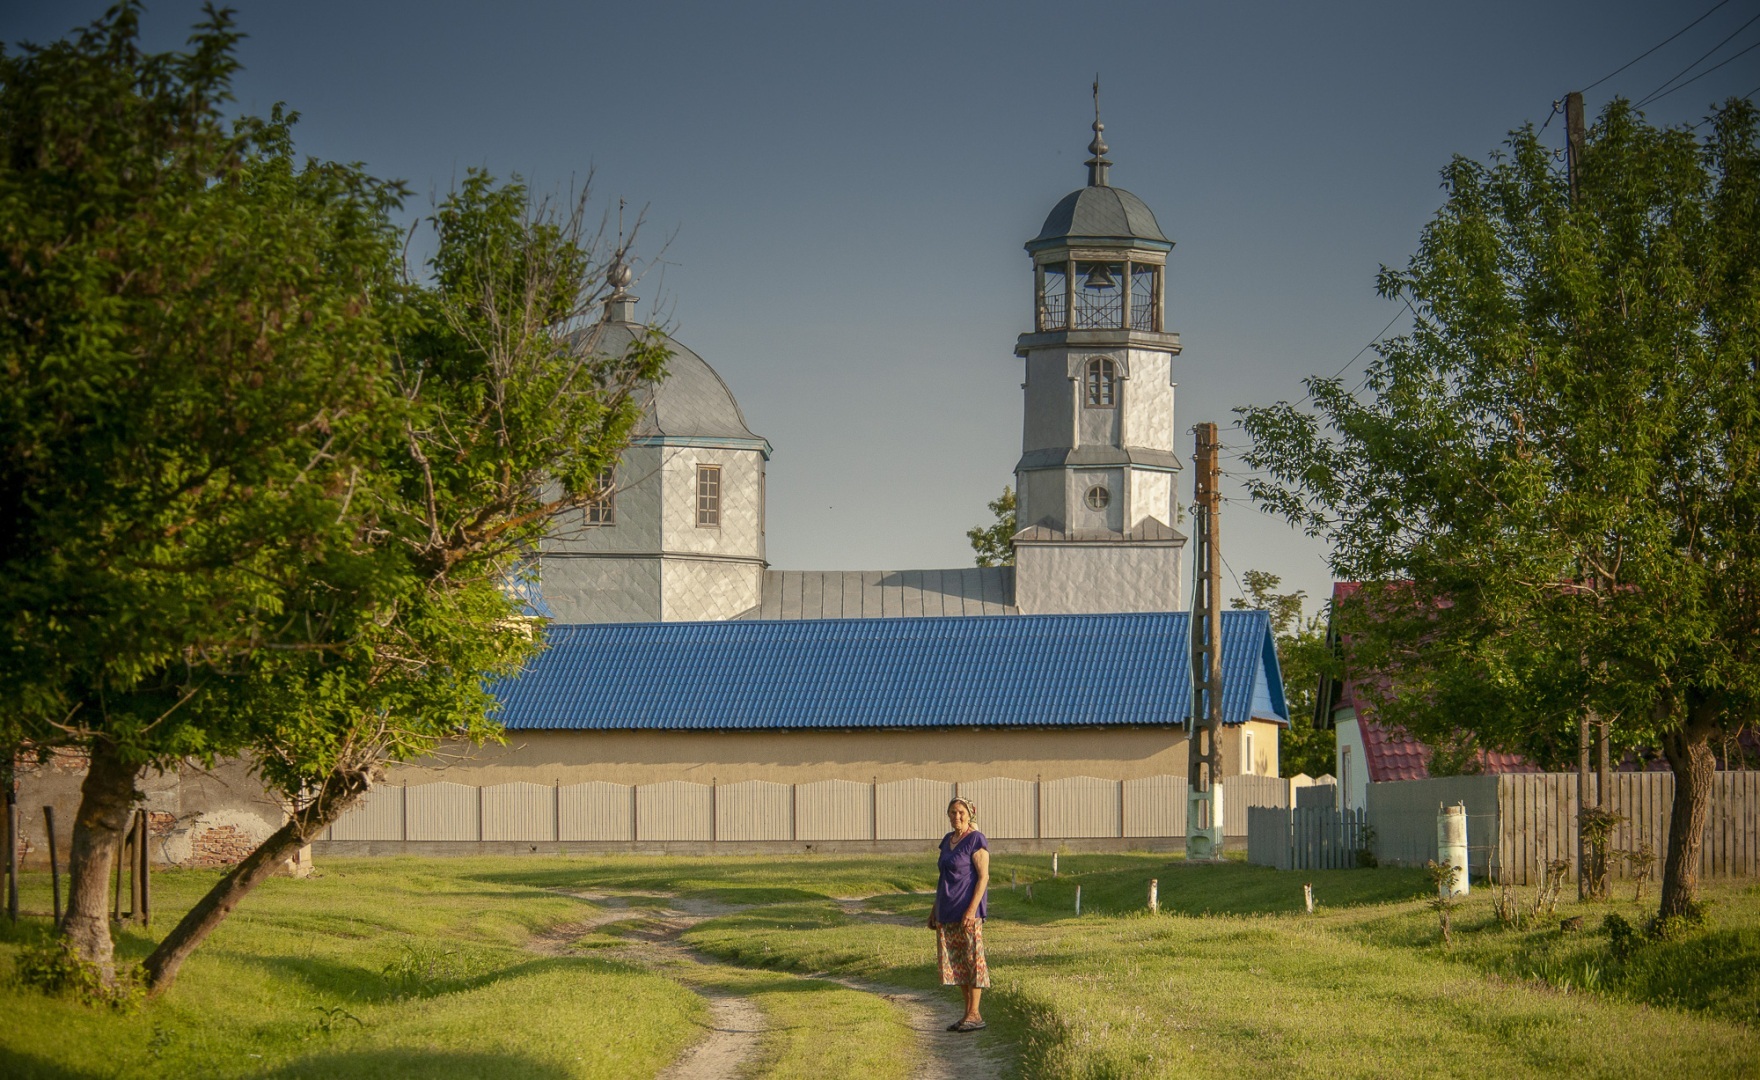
(1344, 778)
(1102, 383)
(603, 509)
(1097, 497)
(708, 496)
(1250, 765)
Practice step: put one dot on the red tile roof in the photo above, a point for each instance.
(1388, 752)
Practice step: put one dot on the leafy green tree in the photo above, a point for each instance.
(1302, 655)
(1562, 458)
(194, 361)
(994, 542)
(511, 420)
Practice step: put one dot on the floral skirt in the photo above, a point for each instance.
(961, 955)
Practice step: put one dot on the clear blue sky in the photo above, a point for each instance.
(847, 188)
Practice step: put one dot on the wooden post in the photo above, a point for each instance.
(1078, 899)
(1308, 896)
(11, 843)
(121, 853)
(143, 855)
(54, 862)
(1054, 864)
(1154, 897)
(1584, 801)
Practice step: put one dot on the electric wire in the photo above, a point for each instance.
(1749, 96)
(1643, 54)
(1656, 93)
(1704, 73)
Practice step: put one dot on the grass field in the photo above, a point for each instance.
(404, 967)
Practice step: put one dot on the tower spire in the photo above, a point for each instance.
(1099, 168)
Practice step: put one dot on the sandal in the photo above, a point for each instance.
(970, 1025)
(955, 1025)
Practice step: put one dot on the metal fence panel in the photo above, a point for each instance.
(1007, 809)
(1268, 837)
(674, 810)
(1155, 806)
(1081, 806)
(1403, 816)
(754, 810)
(834, 810)
(1315, 796)
(1240, 792)
(444, 811)
(596, 810)
(378, 815)
(912, 809)
(519, 811)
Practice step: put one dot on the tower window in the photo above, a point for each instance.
(1098, 497)
(603, 509)
(1102, 383)
(708, 496)
(1099, 297)
(1145, 297)
(1053, 298)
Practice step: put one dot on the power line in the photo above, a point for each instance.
(1645, 53)
(1708, 119)
(1704, 73)
(1652, 95)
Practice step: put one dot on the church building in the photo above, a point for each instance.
(678, 654)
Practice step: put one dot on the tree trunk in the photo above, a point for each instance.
(338, 794)
(105, 799)
(1695, 768)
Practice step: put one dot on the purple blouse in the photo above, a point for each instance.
(959, 878)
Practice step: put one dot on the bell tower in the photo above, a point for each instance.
(1096, 477)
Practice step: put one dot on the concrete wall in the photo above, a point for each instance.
(197, 816)
(802, 757)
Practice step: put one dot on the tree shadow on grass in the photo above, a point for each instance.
(343, 981)
(414, 1063)
(19, 1066)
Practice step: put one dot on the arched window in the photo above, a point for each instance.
(1102, 383)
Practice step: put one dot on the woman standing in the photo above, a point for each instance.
(960, 907)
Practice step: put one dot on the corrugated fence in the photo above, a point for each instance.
(757, 810)
(1516, 824)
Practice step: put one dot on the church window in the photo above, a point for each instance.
(603, 509)
(708, 496)
(1102, 383)
(1098, 497)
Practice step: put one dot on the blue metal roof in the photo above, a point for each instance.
(983, 671)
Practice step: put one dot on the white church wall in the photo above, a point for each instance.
(740, 532)
(1083, 516)
(700, 590)
(1148, 413)
(636, 504)
(1151, 496)
(581, 588)
(1040, 498)
(1053, 579)
(1048, 401)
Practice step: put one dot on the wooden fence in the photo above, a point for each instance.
(1516, 824)
(1305, 837)
(756, 810)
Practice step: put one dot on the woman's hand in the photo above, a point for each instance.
(971, 922)
(933, 923)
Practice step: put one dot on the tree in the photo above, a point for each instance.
(1302, 656)
(994, 543)
(511, 421)
(1562, 458)
(194, 361)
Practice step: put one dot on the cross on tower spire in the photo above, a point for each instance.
(1098, 167)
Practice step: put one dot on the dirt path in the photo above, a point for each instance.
(736, 1024)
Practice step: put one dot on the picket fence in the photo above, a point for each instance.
(1516, 824)
(826, 810)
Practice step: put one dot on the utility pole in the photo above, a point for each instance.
(1589, 793)
(1204, 753)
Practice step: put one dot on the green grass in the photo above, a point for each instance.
(1256, 987)
(297, 984)
(405, 967)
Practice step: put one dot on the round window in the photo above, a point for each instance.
(1098, 497)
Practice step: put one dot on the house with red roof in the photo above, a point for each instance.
(1368, 751)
